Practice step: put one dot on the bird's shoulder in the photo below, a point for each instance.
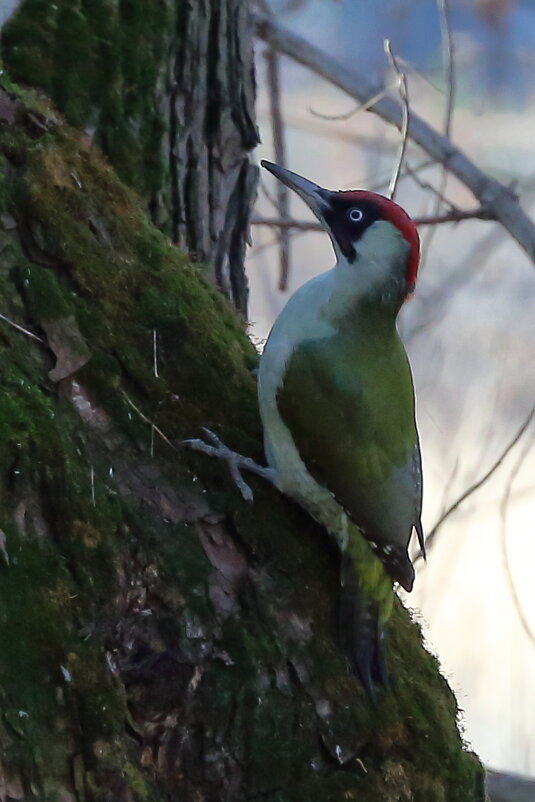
(354, 428)
(344, 389)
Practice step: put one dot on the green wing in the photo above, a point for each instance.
(348, 402)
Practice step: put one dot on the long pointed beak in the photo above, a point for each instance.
(313, 195)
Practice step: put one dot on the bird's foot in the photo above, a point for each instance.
(236, 462)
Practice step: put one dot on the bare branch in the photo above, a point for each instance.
(503, 541)
(503, 787)
(449, 64)
(155, 353)
(264, 6)
(404, 95)
(409, 66)
(434, 303)
(380, 185)
(277, 127)
(361, 106)
(438, 193)
(267, 194)
(144, 418)
(449, 74)
(477, 485)
(454, 216)
(274, 222)
(308, 122)
(92, 481)
(499, 199)
(22, 329)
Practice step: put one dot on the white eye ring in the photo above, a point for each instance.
(355, 215)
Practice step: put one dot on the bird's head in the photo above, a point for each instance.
(365, 228)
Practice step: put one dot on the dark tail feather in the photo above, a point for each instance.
(421, 538)
(361, 634)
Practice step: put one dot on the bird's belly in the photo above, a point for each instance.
(293, 478)
(349, 417)
(299, 319)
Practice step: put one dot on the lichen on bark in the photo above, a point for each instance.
(160, 637)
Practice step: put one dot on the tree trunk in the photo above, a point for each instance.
(166, 88)
(161, 638)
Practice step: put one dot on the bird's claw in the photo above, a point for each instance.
(236, 462)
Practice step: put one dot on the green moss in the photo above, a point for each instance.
(30, 100)
(101, 705)
(37, 598)
(5, 185)
(143, 288)
(26, 415)
(182, 559)
(100, 62)
(249, 647)
(42, 293)
(128, 286)
(270, 739)
(30, 39)
(49, 588)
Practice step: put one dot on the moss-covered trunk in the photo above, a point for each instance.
(166, 89)
(160, 638)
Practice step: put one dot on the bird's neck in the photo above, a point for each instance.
(377, 277)
(358, 303)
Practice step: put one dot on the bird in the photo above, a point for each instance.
(337, 404)
(336, 399)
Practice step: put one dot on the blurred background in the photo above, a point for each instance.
(470, 328)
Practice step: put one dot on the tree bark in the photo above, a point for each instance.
(166, 88)
(160, 637)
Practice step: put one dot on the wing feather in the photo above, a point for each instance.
(349, 406)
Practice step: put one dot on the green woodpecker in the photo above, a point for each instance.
(337, 404)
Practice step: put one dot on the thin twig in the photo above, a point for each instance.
(92, 479)
(498, 198)
(257, 249)
(404, 130)
(503, 540)
(408, 65)
(299, 122)
(318, 127)
(281, 204)
(346, 115)
(449, 63)
(148, 420)
(450, 80)
(455, 216)
(378, 186)
(428, 187)
(361, 106)
(276, 222)
(20, 328)
(277, 127)
(452, 282)
(267, 193)
(472, 489)
(155, 352)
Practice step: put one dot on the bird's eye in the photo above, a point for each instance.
(355, 215)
